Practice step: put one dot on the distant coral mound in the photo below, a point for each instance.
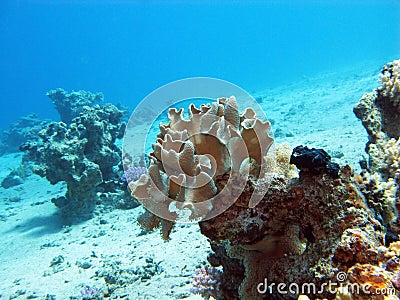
(22, 130)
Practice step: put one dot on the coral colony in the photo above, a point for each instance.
(311, 221)
(133, 173)
(89, 292)
(206, 282)
(81, 152)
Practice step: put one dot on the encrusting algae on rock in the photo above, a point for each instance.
(271, 223)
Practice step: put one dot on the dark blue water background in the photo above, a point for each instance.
(126, 49)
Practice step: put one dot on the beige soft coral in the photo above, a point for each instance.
(190, 154)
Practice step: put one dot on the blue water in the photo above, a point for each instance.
(126, 49)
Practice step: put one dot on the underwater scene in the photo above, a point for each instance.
(200, 150)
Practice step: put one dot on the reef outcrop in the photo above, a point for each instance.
(84, 155)
(71, 105)
(379, 112)
(275, 243)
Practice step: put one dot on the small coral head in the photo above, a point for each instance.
(206, 282)
(133, 174)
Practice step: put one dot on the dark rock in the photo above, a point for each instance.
(390, 237)
(83, 263)
(57, 260)
(333, 170)
(363, 163)
(314, 161)
(11, 180)
(309, 159)
(60, 202)
(289, 134)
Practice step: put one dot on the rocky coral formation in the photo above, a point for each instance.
(390, 83)
(274, 242)
(233, 270)
(84, 155)
(379, 110)
(21, 131)
(380, 114)
(70, 106)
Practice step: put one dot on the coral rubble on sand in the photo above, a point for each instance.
(84, 155)
(317, 226)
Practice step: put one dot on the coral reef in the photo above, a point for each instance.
(21, 131)
(380, 195)
(322, 225)
(380, 114)
(84, 155)
(70, 106)
(274, 241)
(233, 270)
(206, 282)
